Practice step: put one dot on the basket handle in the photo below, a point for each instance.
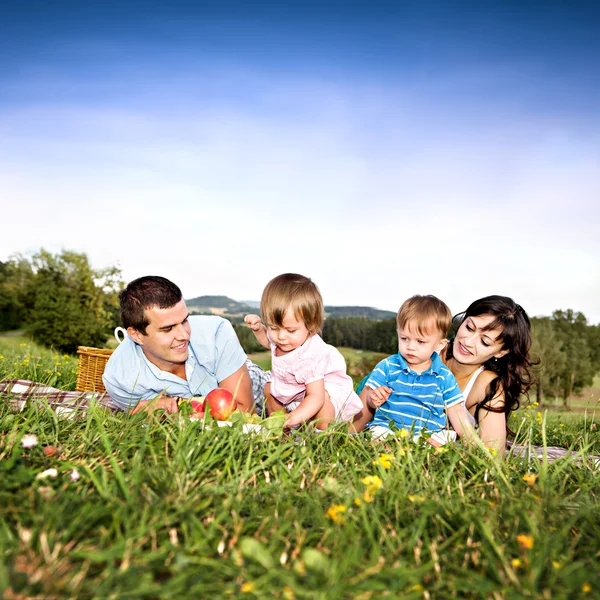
(121, 330)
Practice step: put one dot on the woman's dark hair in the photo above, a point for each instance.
(514, 369)
(144, 293)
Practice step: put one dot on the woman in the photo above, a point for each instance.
(490, 359)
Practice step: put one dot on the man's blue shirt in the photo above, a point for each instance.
(418, 400)
(215, 353)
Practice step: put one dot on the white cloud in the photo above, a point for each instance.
(371, 193)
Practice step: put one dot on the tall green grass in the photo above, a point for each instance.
(168, 508)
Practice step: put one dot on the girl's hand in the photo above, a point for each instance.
(293, 420)
(253, 321)
(378, 396)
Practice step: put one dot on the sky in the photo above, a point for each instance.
(383, 149)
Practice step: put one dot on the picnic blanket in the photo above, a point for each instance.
(19, 392)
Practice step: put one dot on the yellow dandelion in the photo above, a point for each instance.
(288, 593)
(441, 450)
(525, 541)
(586, 588)
(556, 564)
(493, 451)
(372, 483)
(336, 513)
(368, 497)
(357, 501)
(416, 498)
(516, 563)
(1, 357)
(416, 588)
(247, 587)
(530, 478)
(403, 433)
(561, 424)
(384, 460)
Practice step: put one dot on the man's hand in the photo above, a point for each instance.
(253, 321)
(378, 396)
(166, 403)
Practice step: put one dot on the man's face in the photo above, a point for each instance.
(165, 343)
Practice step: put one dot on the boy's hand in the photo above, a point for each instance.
(378, 396)
(253, 321)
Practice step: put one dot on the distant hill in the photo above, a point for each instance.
(218, 305)
(232, 309)
(359, 311)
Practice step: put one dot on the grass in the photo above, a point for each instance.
(171, 509)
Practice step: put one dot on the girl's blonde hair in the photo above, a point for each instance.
(425, 310)
(297, 292)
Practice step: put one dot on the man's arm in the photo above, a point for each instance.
(240, 385)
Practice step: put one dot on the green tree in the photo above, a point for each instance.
(15, 277)
(578, 371)
(547, 346)
(70, 303)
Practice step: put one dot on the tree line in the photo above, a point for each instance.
(64, 303)
(59, 299)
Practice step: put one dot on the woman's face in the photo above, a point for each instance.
(474, 345)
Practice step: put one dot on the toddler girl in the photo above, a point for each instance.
(308, 376)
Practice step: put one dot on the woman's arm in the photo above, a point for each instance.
(492, 425)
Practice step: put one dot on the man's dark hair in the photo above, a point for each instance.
(146, 292)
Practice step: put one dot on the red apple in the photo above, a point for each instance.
(198, 403)
(222, 403)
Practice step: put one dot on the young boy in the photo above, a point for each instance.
(413, 389)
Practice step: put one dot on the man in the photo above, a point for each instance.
(169, 354)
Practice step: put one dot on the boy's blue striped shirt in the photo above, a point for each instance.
(418, 400)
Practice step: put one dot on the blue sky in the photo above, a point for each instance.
(383, 149)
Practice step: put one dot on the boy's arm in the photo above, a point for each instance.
(259, 330)
(311, 404)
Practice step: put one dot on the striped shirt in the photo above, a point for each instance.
(418, 400)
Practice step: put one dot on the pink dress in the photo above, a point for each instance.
(310, 362)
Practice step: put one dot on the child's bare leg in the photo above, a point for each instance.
(326, 415)
(364, 416)
(270, 403)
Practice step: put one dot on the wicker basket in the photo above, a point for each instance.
(91, 366)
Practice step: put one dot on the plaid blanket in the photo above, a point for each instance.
(19, 392)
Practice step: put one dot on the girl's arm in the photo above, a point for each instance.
(311, 404)
(259, 330)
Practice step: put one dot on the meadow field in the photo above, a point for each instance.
(110, 506)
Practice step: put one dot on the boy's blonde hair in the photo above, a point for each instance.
(297, 292)
(425, 310)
